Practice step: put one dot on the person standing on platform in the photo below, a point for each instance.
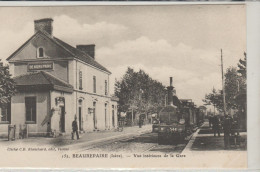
(216, 125)
(227, 123)
(210, 121)
(74, 128)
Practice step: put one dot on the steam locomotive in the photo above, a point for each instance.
(178, 119)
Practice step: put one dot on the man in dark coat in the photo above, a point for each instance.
(235, 125)
(140, 121)
(227, 123)
(74, 128)
(216, 125)
(210, 121)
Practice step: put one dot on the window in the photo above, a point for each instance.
(40, 52)
(105, 87)
(5, 112)
(80, 80)
(106, 125)
(30, 108)
(94, 84)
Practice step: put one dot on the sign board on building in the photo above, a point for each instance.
(39, 66)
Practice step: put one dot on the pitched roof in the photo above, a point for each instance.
(81, 55)
(169, 108)
(66, 47)
(41, 81)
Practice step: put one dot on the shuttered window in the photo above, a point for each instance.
(94, 84)
(80, 80)
(105, 87)
(5, 112)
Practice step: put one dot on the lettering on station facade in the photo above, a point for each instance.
(40, 66)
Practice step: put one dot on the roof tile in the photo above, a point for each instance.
(42, 79)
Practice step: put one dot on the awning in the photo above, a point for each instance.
(41, 81)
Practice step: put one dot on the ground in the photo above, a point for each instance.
(199, 150)
(132, 139)
(144, 143)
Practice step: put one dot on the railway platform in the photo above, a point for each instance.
(204, 140)
(85, 138)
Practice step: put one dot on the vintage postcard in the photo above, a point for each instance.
(123, 86)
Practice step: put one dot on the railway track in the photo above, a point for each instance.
(144, 143)
(91, 147)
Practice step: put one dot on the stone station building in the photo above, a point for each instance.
(55, 83)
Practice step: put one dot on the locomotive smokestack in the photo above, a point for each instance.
(170, 93)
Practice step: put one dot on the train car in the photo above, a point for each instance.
(202, 114)
(189, 112)
(178, 119)
(172, 125)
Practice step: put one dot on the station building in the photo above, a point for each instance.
(55, 83)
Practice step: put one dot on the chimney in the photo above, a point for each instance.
(170, 81)
(170, 93)
(44, 25)
(88, 49)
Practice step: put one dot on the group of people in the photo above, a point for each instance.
(229, 125)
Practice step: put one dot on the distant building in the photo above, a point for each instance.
(56, 82)
(203, 109)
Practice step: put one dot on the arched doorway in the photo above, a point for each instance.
(60, 102)
(106, 118)
(113, 115)
(80, 115)
(94, 116)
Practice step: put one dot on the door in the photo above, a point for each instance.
(106, 125)
(113, 116)
(80, 119)
(62, 119)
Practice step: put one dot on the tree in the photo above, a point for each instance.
(235, 84)
(215, 98)
(7, 85)
(242, 66)
(138, 91)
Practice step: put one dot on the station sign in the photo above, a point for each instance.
(40, 66)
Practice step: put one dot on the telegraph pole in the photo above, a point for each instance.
(223, 86)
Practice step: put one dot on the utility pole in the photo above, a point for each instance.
(223, 86)
(132, 116)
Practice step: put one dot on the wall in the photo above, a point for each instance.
(60, 69)
(87, 78)
(87, 118)
(18, 111)
(51, 50)
(88, 96)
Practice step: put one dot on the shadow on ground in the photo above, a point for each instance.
(145, 138)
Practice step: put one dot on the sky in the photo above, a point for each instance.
(182, 41)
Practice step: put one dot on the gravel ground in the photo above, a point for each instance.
(145, 143)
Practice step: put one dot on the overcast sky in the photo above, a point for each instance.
(182, 41)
